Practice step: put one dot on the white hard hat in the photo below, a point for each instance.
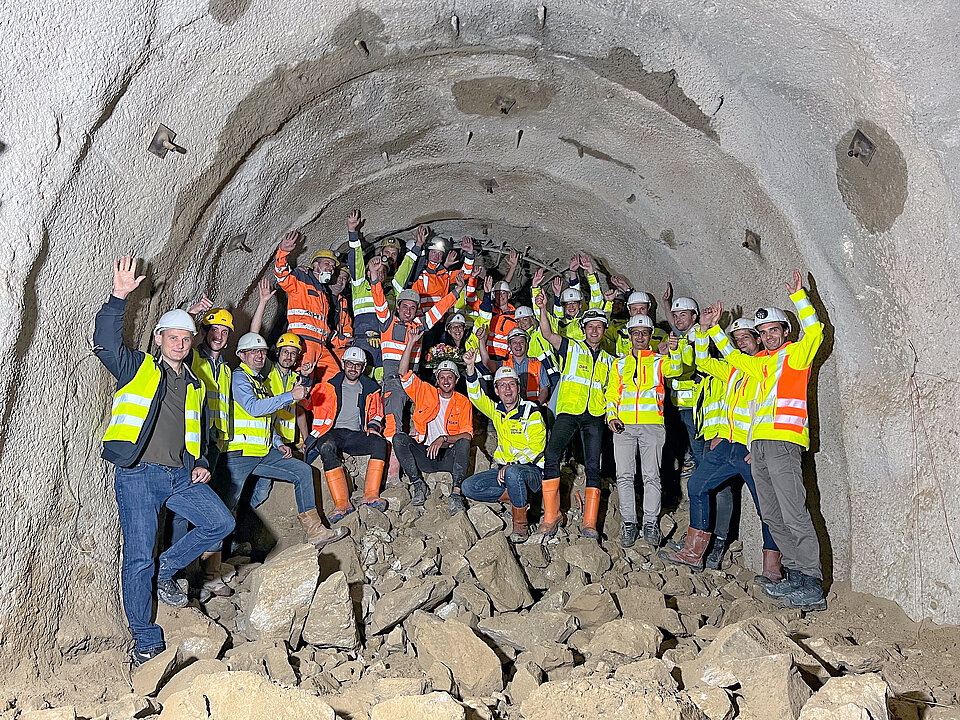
(438, 243)
(175, 320)
(517, 332)
(408, 294)
(641, 321)
(251, 341)
(506, 373)
(502, 286)
(770, 314)
(685, 303)
(354, 354)
(523, 312)
(571, 295)
(742, 324)
(594, 314)
(447, 366)
(639, 297)
(457, 318)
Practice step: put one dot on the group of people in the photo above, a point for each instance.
(387, 355)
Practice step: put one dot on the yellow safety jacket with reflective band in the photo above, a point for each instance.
(635, 389)
(684, 388)
(779, 410)
(217, 388)
(131, 404)
(521, 433)
(251, 435)
(624, 347)
(583, 381)
(285, 419)
(739, 392)
(708, 407)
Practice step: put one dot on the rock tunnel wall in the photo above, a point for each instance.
(651, 135)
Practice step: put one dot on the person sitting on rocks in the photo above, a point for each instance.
(521, 439)
(442, 428)
(348, 417)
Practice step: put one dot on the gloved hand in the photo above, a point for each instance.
(373, 338)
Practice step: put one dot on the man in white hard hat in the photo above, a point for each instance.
(348, 418)
(533, 375)
(442, 421)
(617, 340)
(254, 448)
(779, 434)
(158, 440)
(502, 320)
(521, 439)
(635, 393)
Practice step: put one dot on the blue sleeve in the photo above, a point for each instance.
(354, 239)
(243, 393)
(122, 362)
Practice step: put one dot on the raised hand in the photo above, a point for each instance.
(586, 262)
(619, 283)
(557, 285)
(420, 236)
(201, 305)
(307, 368)
(673, 342)
(540, 300)
(610, 294)
(125, 278)
(289, 241)
(797, 283)
(479, 272)
(376, 268)
(353, 221)
(488, 284)
(481, 332)
(266, 292)
(513, 258)
(299, 390)
(467, 244)
(538, 277)
(470, 358)
(668, 295)
(415, 332)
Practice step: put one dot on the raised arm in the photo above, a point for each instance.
(546, 329)
(355, 263)
(483, 403)
(285, 277)
(513, 260)
(263, 287)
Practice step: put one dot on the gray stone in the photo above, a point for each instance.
(457, 534)
(331, 622)
(264, 657)
(592, 605)
(198, 636)
(474, 666)
(589, 557)
(280, 594)
(648, 604)
(630, 638)
(66, 712)
(499, 574)
(396, 606)
(484, 519)
(150, 677)
(525, 632)
(181, 681)
(854, 697)
(434, 706)
(771, 687)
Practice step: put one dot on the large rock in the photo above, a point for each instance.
(331, 622)
(435, 706)
(484, 519)
(235, 695)
(499, 574)
(280, 594)
(198, 636)
(474, 666)
(649, 605)
(150, 677)
(589, 557)
(771, 686)
(264, 657)
(182, 680)
(853, 697)
(457, 534)
(630, 638)
(397, 606)
(592, 605)
(342, 555)
(525, 632)
(66, 712)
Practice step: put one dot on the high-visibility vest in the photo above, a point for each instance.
(739, 392)
(582, 381)
(521, 433)
(308, 303)
(500, 326)
(393, 339)
(131, 405)
(435, 281)
(425, 399)
(217, 389)
(285, 419)
(530, 384)
(684, 388)
(251, 435)
(635, 388)
(708, 409)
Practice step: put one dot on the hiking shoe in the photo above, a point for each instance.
(714, 558)
(457, 505)
(628, 534)
(420, 493)
(806, 596)
(793, 581)
(139, 657)
(652, 535)
(169, 593)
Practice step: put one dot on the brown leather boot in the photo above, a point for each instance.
(692, 552)
(520, 530)
(552, 517)
(317, 534)
(371, 485)
(591, 508)
(504, 497)
(210, 563)
(337, 482)
(772, 573)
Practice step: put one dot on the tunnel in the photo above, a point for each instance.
(710, 144)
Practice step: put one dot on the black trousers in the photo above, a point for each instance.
(353, 442)
(414, 461)
(591, 434)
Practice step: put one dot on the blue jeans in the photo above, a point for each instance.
(179, 523)
(517, 479)
(142, 490)
(234, 469)
(724, 462)
(696, 444)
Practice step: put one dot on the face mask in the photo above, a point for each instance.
(324, 277)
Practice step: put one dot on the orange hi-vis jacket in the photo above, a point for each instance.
(342, 337)
(435, 281)
(426, 404)
(393, 332)
(500, 326)
(309, 311)
(780, 409)
(326, 398)
(530, 380)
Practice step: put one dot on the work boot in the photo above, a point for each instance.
(552, 517)
(420, 492)
(393, 469)
(520, 530)
(714, 558)
(504, 496)
(652, 535)
(781, 589)
(457, 504)
(591, 508)
(139, 657)
(807, 596)
(169, 593)
(317, 534)
(337, 482)
(628, 534)
(693, 550)
(371, 485)
(772, 569)
(210, 563)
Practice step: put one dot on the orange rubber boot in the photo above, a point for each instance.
(337, 482)
(371, 485)
(552, 518)
(591, 508)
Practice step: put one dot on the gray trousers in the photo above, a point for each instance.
(783, 503)
(648, 440)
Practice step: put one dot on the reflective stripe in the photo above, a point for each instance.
(132, 399)
(790, 420)
(792, 402)
(320, 332)
(133, 420)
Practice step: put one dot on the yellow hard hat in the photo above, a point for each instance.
(391, 243)
(289, 340)
(218, 316)
(328, 254)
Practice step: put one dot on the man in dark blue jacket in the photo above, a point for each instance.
(159, 441)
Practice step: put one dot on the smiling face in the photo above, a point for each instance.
(446, 382)
(501, 298)
(684, 319)
(526, 323)
(253, 359)
(352, 370)
(773, 335)
(390, 254)
(288, 357)
(324, 265)
(407, 310)
(640, 338)
(508, 390)
(518, 346)
(217, 336)
(434, 257)
(746, 342)
(457, 331)
(572, 309)
(593, 331)
(174, 345)
(638, 309)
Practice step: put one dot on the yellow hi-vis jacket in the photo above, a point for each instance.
(617, 339)
(684, 388)
(583, 379)
(739, 391)
(216, 380)
(780, 407)
(252, 436)
(285, 419)
(131, 404)
(521, 434)
(635, 389)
